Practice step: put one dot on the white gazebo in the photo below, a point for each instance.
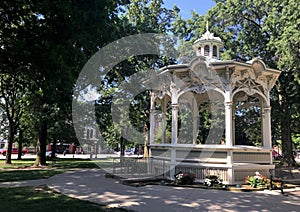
(184, 97)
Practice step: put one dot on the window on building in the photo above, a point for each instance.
(91, 133)
(206, 50)
(215, 51)
(199, 50)
(87, 133)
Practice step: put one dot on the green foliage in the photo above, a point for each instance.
(188, 31)
(137, 17)
(159, 134)
(248, 122)
(45, 44)
(256, 182)
(149, 16)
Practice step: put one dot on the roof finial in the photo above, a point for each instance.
(207, 26)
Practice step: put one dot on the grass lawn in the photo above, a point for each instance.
(17, 175)
(71, 163)
(20, 169)
(17, 164)
(61, 163)
(43, 199)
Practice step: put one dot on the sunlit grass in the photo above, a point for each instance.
(23, 170)
(71, 163)
(61, 163)
(17, 175)
(17, 164)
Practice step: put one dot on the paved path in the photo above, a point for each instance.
(91, 185)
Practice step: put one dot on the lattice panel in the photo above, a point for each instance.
(201, 172)
(252, 157)
(161, 153)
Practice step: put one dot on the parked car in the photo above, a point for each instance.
(126, 152)
(13, 151)
(129, 152)
(49, 153)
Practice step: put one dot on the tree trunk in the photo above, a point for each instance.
(41, 155)
(37, 161)
(122, 149)
(20, 144)
(286, 137)
(10, 143)
(43, 142)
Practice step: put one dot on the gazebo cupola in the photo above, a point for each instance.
(208, 45)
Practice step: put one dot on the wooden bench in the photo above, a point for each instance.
(276, 180)
(280, 180)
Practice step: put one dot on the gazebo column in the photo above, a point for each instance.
(218, 52)
(164, 123)
(175, 108)
(210, 51)
(266, 122)
(152, 119)
(195, 121)
(228, 124)
(228, 135)
(233, 123)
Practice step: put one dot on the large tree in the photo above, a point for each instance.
(71, 32)
(12, 102)
(14, 65)
(148, 16)
(50, 41)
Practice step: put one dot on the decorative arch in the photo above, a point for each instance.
(253, 91)
(247, 118)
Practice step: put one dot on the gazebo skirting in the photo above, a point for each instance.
(232, 164)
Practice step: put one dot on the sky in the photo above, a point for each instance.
(186, 6)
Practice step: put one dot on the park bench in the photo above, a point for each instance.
(281, 180)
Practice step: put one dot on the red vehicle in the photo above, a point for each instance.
(13, 151)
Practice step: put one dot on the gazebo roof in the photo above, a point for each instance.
(254, 69)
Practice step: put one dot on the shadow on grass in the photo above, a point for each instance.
(44, 199)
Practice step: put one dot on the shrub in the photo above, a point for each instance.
(184, 178)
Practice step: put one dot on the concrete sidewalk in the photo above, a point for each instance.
(92, 185)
